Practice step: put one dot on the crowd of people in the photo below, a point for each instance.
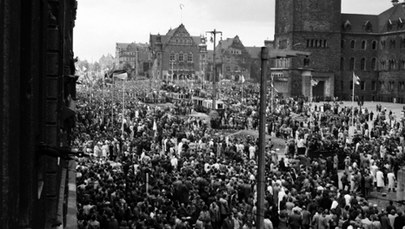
(152, 168)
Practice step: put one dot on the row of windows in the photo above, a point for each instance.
(388, 85)
(373, 65)
(181, 57)
(391, 44)
(313, 43)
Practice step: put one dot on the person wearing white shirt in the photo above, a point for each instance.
(380, 180)
(391, 181)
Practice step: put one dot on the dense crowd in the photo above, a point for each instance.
(152, 168)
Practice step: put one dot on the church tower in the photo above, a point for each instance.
(313, 26)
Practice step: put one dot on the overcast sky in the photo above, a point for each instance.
(102, 23)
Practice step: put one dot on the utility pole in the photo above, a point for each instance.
(262, 140)
(214, 83)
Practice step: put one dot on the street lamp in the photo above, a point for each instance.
(214, 85)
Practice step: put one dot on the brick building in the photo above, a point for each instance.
(340, 44)
(133, 55)
(234, 58)
(178, 54)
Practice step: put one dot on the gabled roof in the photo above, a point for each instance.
(166, 38)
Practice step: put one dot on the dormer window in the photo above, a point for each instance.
(400, 23)
(389, 25)
(347, 26)
(368, 27)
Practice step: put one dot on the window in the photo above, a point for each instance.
(373, 85)
(401, 86)
(363, 64)
(342, 84)
(351, 84)
(402, 64)
(382, 44)
(374, 45)
(308, 43)
(373, 64)
(352, 44)
(392, 85)
(400, 23)
(368, 27)
(364, 45)
(383, 65)
(351, 67)
(172, 56)
(402, 45)
(342, 44)
(228, 68)
(362, 85)
(181, 57)
(236, 68)
(392, 44)
(342, 64)
(389, 25)
(190, 57)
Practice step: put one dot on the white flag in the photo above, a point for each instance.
(122, 76)
(356, 79)
(242, 79)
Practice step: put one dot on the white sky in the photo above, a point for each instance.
(102, 23)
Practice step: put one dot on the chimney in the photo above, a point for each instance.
(395, 2)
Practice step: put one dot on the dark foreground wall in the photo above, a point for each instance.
(35, 60)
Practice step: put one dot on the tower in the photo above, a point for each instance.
(313, 26)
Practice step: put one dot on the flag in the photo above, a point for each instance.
(356, 79)
(154, 125)
(314, 82)
(242, 79)
(272, 86)
(123, 76)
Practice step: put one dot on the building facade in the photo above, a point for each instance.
(133, 56)
(177, 55)
(234, 58)
(340, 44)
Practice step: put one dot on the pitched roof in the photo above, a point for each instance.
(393, 14)
(166, 38)
(379, 22)
(358, 21)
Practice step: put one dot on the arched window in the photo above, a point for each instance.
(374, 45)
(364, 45)
(190, 57)
(342, 44)
(342, 64)
(363, 64)
(374, 64)
(351, 66)
(352, 44)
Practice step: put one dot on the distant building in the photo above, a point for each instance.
(235, 59)
(134, 56)
(178, 55)
(371, 46)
